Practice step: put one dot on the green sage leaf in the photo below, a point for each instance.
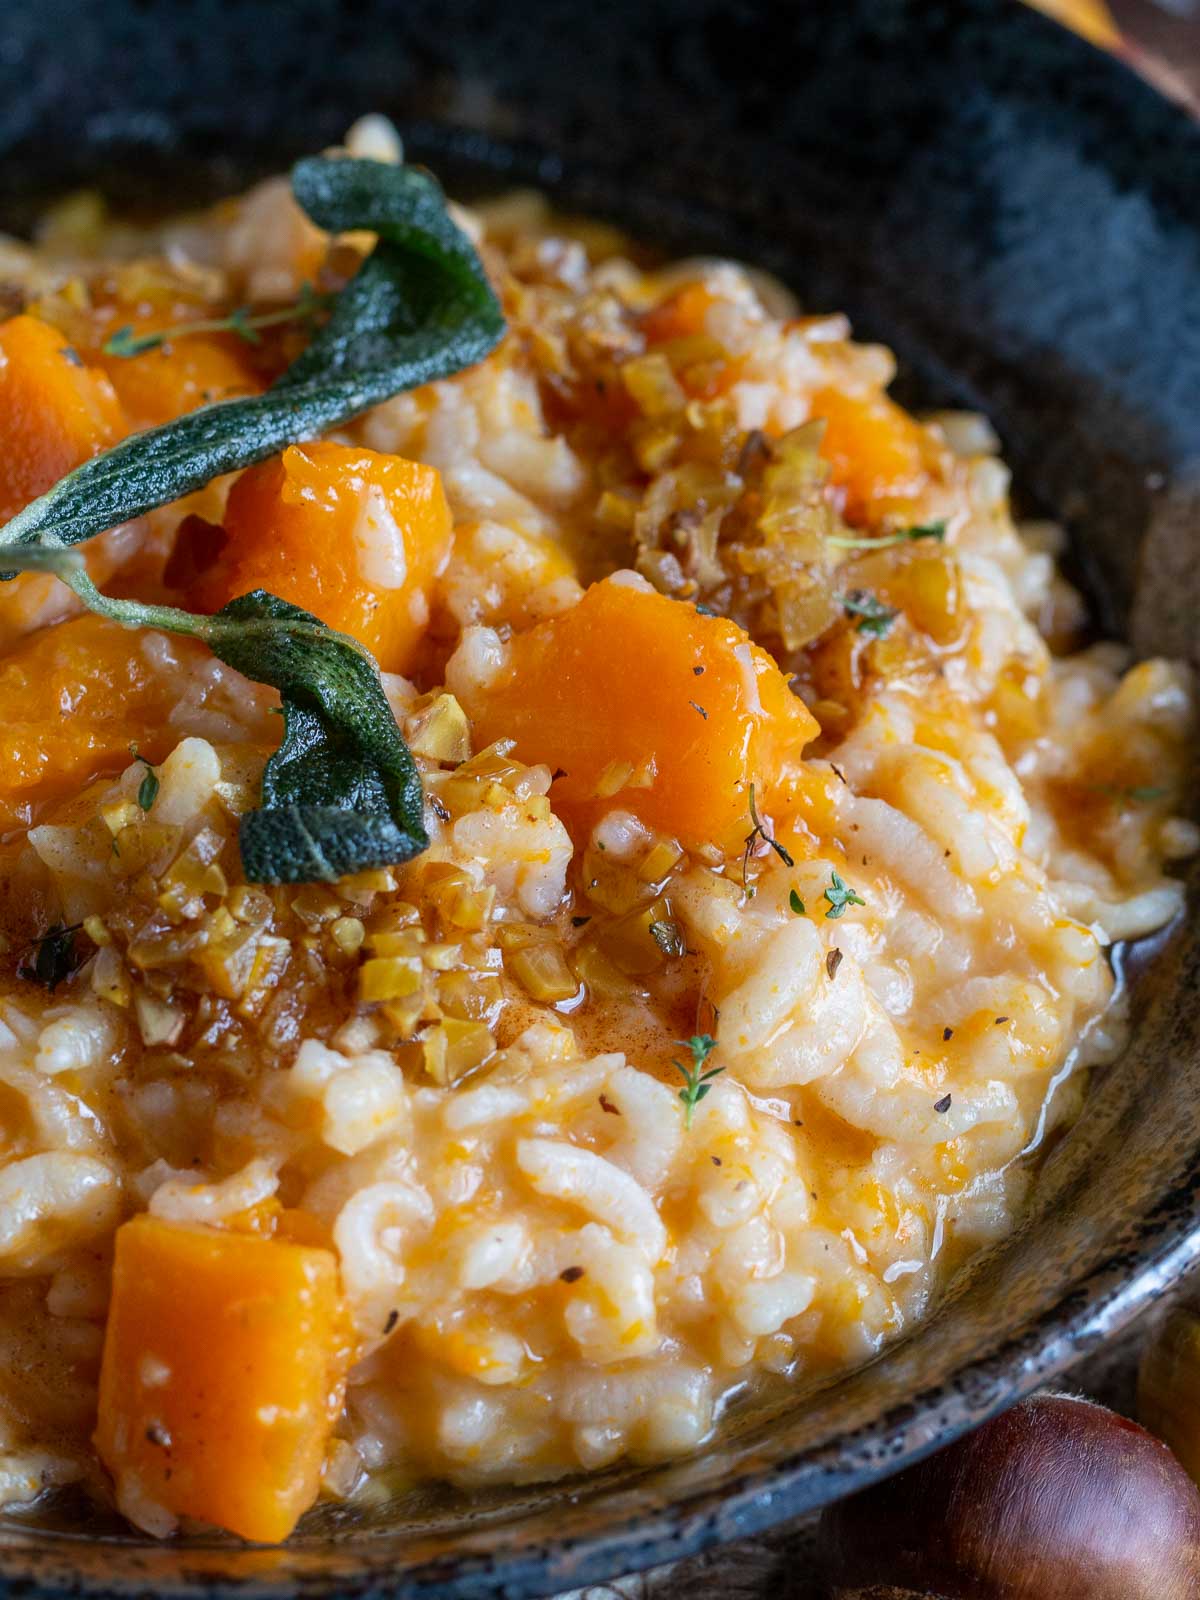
(419, 308)
(342, 793)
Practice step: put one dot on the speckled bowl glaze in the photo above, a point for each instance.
(1016, 215)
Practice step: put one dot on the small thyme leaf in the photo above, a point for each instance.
(874, 618)
(148, 788)
(668, 938)
(920, 530)
(840, 895)
(125, 344)
(55, 957)
(796, 903)
(696, 1080)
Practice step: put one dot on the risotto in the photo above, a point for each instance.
(779, 829)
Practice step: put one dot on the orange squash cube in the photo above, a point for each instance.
(223, 1373)
(645, 703)
(678, 315)
(193, 370)
(879, 456)
(76, 696)
(351, 535)
(55, 412)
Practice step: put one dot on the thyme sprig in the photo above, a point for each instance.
(696, 1080)
(124, 343)
(759, 840)
(920, 530)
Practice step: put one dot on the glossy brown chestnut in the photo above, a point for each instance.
(1057, 1499)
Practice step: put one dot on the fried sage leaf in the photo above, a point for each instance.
(341, 793)
(419, 308)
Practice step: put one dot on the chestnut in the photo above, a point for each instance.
(1058, 1497)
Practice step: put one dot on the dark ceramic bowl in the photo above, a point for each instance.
(1014, 213)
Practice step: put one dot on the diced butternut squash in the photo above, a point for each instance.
(187, 370)
(194, 370)
(55, 411)
(36, 599)
(879, 456)
(75, 696)
(645, 703)
(223, 1373)
(680, 315)
(353, 536)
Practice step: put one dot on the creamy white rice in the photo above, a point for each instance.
(547, 1268)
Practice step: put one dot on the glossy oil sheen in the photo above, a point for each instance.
(1016, 215)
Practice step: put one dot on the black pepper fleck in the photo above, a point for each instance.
(571, 1274)
(947, 1033)
(942, 1105)
(832, 962)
